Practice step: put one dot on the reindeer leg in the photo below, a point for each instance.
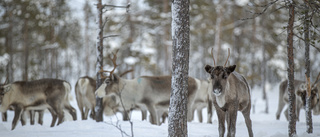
(31, 114)
(54, 117)
(4, 117)
(286, 114)
(23, 118)
(40, 120)
(221, 119)
(281, 103)
(209, 112)
(17, 114)
(246, 115)
(232, 119)
(93, 113)
(72, 112)
(153, 115)
(144, 114)
(199, 112)
(86, 113)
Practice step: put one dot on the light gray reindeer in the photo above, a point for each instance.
(52, 94)
(86, 99)
(230, 93)
(151, 92)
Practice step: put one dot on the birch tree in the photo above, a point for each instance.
(99, 49)
(99, 65)
(180, 67)
(307, 67)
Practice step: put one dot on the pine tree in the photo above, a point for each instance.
(180, 67)
(291, 93)
(307, 67)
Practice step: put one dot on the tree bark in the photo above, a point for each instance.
(177, 126)
(99, 65)
(292, 97)
(307, 67)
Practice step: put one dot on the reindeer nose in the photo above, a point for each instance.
(217, 91)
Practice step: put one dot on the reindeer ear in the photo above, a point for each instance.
(299, 93)
(7, 88)
(208, 68)
(115, 78)
(230, 69)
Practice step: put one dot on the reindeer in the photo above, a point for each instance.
(86, 99)
(151, 92)
(52, 94)
(230, 93)
(300, 91)
(203, 100)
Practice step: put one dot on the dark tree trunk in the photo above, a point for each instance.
(292, 97)
(99, 47)
(307, 66)
(177, 126)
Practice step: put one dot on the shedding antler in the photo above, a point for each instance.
(214, 62)
(227, 58)
(114, 62)
(317, 80)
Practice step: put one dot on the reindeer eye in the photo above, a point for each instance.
(224, 76)
(212, 76)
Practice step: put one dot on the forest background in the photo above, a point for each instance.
(56, 39)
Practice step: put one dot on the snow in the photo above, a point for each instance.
(264, 125)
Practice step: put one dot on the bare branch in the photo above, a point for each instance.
(104, 37)
(318, 49)
(266, 6)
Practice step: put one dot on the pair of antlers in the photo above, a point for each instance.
(214, 62)
(114, 62)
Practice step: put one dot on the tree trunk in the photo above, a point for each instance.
(292, 97)
(263, 77)
(26, 50)
(99, 65)
(177, 126)
(86, 35)
(307, 66)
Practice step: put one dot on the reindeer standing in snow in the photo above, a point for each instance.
(230, 93)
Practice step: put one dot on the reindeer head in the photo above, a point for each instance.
(219, 75)
(111, 83)
(302, 93)
(314, 97)
(4, 88)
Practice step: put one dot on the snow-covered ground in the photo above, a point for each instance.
(264, 125)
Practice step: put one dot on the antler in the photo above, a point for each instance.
(315, 82)
(227, 58)
(114, 62)
(214, 62)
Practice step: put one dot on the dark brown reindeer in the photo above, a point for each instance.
(230, 93)
(52, 94)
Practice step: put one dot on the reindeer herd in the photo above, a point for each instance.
(226, 91)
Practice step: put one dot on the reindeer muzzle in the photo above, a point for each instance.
(217, 91)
